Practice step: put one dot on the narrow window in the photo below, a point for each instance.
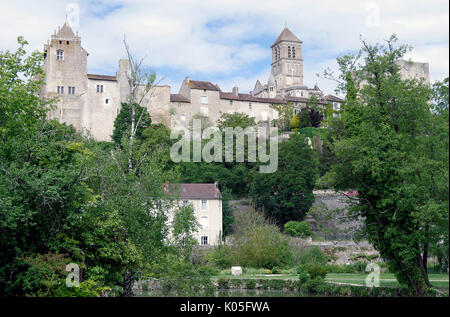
(204, 99)
(289, 52)
(204, 240)
(250, 106)
(106, 101)
(60, 90)
(293, 51)
(231, 102)
(100, 88)
(59, 55)
(203, 204)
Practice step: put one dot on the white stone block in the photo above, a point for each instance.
(236, 270)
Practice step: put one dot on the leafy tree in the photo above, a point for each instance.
(315, 112)
(122, 123)
(297, 229)
(234, 120)
(305, 118)
(394, 151)
(287, 193)
(285, 112)
(42, 173)
(295, 122)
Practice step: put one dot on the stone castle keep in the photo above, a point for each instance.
(91, 102)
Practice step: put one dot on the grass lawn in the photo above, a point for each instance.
(386, 279)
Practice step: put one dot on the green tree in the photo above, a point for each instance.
(122, 123)
(305, 119)
(287, 193)
(295, 122)
(394, 151)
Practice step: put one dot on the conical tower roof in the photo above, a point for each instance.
(65, 31)
(286, 35)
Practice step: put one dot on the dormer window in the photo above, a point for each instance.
(59, 55)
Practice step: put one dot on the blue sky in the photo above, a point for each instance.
(228, 42)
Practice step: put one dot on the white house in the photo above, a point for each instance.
(206, 201)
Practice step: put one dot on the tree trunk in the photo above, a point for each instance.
(127, 284)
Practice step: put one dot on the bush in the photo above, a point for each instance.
(301, 269)
(317, 271)
(220, 257)
(295, 122)
(259, 244)
(275, 270)
(297, 229)
(312, 255)
(302, 278)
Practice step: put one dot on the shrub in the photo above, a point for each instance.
(259, 244)
(295, 122)
(313, 255)
(301, 269)
(317, 271)
(302, 278)
(297, 229)
(275, 270)
(220, 257)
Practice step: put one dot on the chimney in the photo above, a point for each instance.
(216, 184)
(236, 91)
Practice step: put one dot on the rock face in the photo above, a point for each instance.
(236, 270)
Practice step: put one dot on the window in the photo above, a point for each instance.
(183, 117)
(231, 102)
(204, 222)
(107, 101)
(250, 106)
(71, 90)
(289, 52)
(204, 240)
(60, 90)
(204, 111)
(100, 88)
(59, 55)
(67, 42)
(204, 204)
(204, 99)
(293, 51)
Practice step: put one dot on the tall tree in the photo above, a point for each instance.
(393, 150)
(287, 193)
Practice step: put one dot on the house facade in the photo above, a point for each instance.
(206, 201)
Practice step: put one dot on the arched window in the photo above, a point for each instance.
(59, 55)
(204, 222)
(293, 51)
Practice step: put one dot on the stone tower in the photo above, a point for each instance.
(287, 63)
(65, 66)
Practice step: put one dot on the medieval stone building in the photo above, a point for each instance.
(91, 102)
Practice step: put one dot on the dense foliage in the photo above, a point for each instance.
(393, 150)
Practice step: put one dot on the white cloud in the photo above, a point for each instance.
(174, 33)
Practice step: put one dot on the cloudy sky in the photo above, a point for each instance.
(228, 42)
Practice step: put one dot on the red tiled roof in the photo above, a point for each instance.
(248, 97)
(197, 84)
(333, 98)
(101, 77)
(178, 98)
(195, 191)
